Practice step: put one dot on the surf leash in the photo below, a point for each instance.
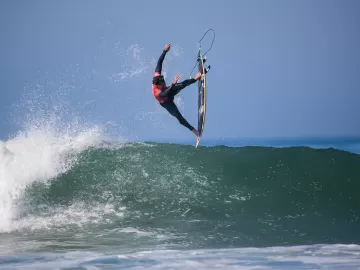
(200, 48)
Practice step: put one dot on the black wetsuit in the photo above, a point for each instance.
(170, 93)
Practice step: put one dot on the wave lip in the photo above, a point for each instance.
(37, 155)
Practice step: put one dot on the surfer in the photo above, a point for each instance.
(165, 94)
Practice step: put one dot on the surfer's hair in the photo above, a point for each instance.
(158, 79)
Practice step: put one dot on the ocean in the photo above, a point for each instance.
(78, 202)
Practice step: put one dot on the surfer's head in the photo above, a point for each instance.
(159, 80)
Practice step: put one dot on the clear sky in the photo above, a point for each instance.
(280, 68)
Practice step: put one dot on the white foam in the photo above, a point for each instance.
(37, 154)
(61, 218)
(237, 258)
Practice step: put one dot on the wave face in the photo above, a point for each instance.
(137, 194)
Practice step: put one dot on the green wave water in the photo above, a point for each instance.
(137, 195)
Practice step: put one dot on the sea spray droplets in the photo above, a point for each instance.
(134, 64)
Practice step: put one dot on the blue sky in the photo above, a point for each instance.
(279, 68)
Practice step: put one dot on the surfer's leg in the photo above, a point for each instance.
(173, 110)
(180, 86)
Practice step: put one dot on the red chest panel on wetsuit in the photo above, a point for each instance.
(156, 92)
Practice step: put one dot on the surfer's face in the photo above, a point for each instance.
(161, 84)
(159, 81)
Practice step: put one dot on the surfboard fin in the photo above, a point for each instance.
(207, 69)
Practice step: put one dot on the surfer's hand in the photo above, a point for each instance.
(167, 47)
(176, 79)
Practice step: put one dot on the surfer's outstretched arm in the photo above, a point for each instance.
(158, 68)
(160, 61)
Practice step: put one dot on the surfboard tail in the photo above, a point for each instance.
(197, 142)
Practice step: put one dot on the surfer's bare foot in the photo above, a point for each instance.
(196, 132)
(197, 76)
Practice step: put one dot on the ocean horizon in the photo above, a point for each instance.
(346, 143)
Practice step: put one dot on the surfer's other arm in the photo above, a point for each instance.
(158, 68)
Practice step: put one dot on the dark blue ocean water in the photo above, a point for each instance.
(350, 144)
